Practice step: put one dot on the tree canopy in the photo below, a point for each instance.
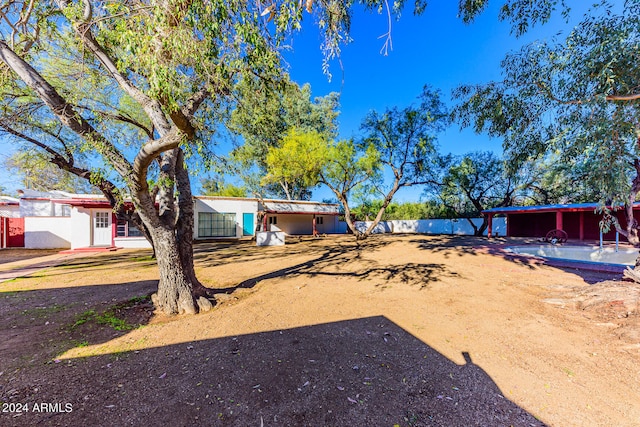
(265, 122)
(400, 142)
(36, 172)
(139, 86)
(475, 182)
(578, 99)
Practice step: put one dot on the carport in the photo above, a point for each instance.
(579, 220)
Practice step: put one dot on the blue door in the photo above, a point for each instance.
(247, 224)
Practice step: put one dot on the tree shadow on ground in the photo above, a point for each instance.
(220, 253)
(450, 246)
(362, 372)
(8, 255)
(50, 321)
(467, 245)
(106, 260)
(334, 261)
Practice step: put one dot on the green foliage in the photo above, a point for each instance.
(575, 100)
(299, 159)
(430, 209)
(474, 182)
(405, 139)
(263, 123)
(111, 317)
(217, 187)
(552, 180)
(83, 318)
(36, 172)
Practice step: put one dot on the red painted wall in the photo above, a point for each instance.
(532, 224)
(14, 229)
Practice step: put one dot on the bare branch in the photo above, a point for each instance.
(632, 97)
(120, 117)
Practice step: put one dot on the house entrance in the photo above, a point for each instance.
(102, 228)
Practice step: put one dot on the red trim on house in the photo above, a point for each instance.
(90, 203)
(300, 213)
(587, 207)
(114, 229)
(84, 203)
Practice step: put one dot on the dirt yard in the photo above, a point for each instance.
(399, 330)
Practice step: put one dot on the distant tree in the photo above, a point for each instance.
(401, 142)
(405, 140)
(294, 162)
(36, 172)
(403, 211)
(578, 98)
(217, 187)
(342, 166)
(554, 179)
(264, 123)
(475, 182)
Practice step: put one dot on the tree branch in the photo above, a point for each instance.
(150, 106)
(632, 97)
(122, 118)
(63, 110)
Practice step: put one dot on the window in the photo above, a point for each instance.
(102, 219)
(273, 220)
(61, 210)
(319, 220)
(216, 224)
(127, 229)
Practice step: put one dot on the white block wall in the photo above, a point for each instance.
(270, 238)
(435, 226)
(48, 232)
(82, 226)
(10, 211)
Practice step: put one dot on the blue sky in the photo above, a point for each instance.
(435, 48)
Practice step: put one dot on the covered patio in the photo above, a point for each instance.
(580, 221)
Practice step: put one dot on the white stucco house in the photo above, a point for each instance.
(58, 219)
(9, 207)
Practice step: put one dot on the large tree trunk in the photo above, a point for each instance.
(631, 229)
(175, 289)
(479, 231)
(349, 220)
(383, 208)
(170, 228)
(179, 290)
